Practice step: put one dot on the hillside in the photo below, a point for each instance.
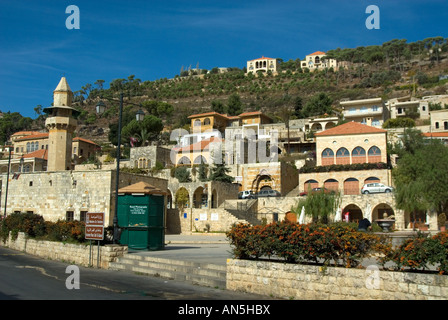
(395, 69)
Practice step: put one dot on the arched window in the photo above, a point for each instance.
(351, 186)
(358, 155)
(184, 160)
(206, 121)
(327, 157)
(374, 154)
(372, 180)
(310, 184)
(331, 184)
(28, 147)
(197, 123)
(342, 156)
(199, 160)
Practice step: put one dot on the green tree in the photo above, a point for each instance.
(182, 174)
(219, 171)
(182, 199)
(203, 170)
(218, 106)
(319, 205)
(234, 105)
(319, 104)
(145, 130)
(420, 178)
(11, 123)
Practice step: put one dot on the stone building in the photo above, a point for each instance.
(318, 60)
(68, 195)
(262, 64)
(61, 124)
(372, 112)
(57, 192)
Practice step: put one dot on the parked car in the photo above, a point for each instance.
(244, 194)
(316, 190)
(375, 188)
(266, 193)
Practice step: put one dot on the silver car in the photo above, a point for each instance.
(375, 188)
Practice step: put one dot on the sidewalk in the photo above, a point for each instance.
(217, 238)
(202, 248)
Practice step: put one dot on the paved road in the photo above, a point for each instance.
(25, 277)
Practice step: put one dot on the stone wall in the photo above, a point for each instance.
(307, 282)
(53, 194)
(78, 254)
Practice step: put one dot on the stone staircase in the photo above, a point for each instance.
(242, 210)
(203, 274)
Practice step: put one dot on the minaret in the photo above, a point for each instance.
(61, 125)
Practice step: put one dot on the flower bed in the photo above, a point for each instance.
(338, 244)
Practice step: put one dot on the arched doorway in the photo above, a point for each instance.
(182, 199)
(310, 184)
(381, 211)
(372, 180)
(214, 199)
(355, 213)
(169, 200)
(200, 198)
(414, 219)
(351, 186)
(332, 184)
(263, 180)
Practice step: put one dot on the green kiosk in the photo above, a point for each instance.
(141, 209)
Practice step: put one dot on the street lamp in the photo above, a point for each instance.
(100, 107)
(140, 115)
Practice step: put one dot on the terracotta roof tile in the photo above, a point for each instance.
(317, 53)
(41, 154)
(200, 145)
(33, 137)
(350, 128)
(436, 134)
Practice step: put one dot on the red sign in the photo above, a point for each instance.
(94, 233)
(95, 218)
(94, 226)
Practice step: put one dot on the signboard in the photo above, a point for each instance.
(95, 218)
(94, 232)
(94, 226)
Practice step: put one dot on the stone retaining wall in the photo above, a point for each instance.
(296, 281)
(78, 254)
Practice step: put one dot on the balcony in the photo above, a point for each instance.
(363, 112)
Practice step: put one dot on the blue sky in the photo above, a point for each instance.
(154, 39)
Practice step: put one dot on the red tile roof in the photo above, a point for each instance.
(25, 133)
(33, 136)
(350, 128)
(317, 53)
(207, 114)
(41, 154)
(436, 134)
(262, 58)
(84, 140)
(200, 145)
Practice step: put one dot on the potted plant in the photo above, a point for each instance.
(441, 220)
